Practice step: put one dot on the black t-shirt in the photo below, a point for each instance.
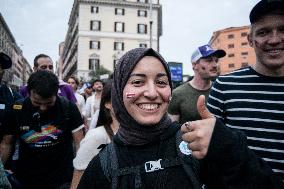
(45, 158)
(228, 164)
(172, 177)
(7, 98)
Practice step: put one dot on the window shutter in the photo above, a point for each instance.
(145, 29)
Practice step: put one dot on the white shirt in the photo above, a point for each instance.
(80, 101)
(92, 104)
(89, 147)
(94, 120)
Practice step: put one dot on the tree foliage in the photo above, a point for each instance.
(97, 73)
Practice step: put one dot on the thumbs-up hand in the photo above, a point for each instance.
(198, 133)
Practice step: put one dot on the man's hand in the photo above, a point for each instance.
(198, 133)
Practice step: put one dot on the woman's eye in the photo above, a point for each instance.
(162, 82)
(136, 82)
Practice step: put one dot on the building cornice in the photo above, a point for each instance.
(73, 12)
(126, 36)
(230, 29)
(6, 27)
(122, 3)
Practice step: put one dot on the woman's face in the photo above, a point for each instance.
(147, 92)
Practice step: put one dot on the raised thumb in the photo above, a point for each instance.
(202, 109)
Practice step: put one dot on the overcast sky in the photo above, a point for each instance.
(40, 25)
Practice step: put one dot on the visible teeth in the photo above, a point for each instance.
(148, 106)
(275, 51)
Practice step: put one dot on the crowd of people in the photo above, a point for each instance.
(135, 131)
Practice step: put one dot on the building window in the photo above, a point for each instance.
(244, 53)
(119, 27)
(244, 44)
(231, 55)
(142, 13)
(119, 11)
(143, 45)
(244, 64)
(142, 28)
(94, 64)
(95, 45)
(94, 9)
(244, 34)
(231, 36)
(142, 1)
(118, 46)
(95, 25)
(231, 65)
(231, 46)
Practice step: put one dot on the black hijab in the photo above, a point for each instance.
(130, 131)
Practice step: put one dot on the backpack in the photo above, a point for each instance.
(112, 171)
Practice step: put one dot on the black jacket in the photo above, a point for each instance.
(228, 164)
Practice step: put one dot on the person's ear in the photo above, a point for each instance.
(250, 41)
(193, 65)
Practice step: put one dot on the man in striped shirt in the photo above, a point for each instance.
(252, 99)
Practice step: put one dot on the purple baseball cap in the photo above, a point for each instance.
(206, 51)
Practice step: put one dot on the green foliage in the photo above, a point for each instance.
(101, 71)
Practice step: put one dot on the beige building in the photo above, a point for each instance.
(234, 41)
(19, 72)
(101, 31)
(59, 63)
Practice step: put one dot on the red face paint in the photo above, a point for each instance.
(130, 95)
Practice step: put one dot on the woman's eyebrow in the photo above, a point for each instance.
(144, 75)
(161, 74)
(137, 74)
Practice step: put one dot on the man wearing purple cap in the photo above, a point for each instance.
(251, 99)
(204, 60)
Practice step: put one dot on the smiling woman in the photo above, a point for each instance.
(148, 152)
(143, 117)
(152, 91)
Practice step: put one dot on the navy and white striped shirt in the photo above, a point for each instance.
(254, 104)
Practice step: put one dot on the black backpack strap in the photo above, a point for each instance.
(109, 163)
(63, 118)
(111, 170)
(17, 108)
(65, 105)
(190, 164)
